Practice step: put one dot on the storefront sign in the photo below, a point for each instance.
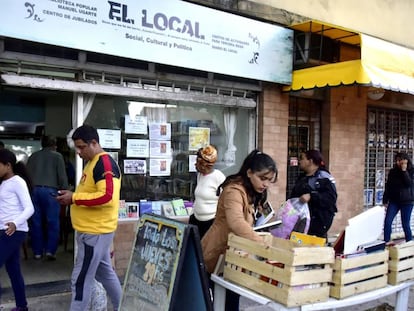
(170, 32)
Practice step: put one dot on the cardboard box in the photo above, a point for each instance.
(359, 273)
(401, 263)
(281, 270)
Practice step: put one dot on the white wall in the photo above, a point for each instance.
(390, 20)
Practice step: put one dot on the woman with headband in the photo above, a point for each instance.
(205, 193)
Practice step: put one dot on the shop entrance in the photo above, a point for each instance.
(26, 115)
(304, 133)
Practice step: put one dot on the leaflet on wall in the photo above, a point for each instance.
(137, 125)
(137, 148)
(160, 131)
(160, 148)
(192, 158)
(110, 139)
(198, 137)
(160, 167)
(135, 166)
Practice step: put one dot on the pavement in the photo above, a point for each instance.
(61, 301)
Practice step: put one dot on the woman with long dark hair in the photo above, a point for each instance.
(399, 195)
(16, 207)
(241, 196)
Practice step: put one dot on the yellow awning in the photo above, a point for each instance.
(382, 65)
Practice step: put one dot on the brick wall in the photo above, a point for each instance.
(123, 244)
(273, 119)
(346, 148)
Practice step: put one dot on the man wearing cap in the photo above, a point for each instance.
(205, 193)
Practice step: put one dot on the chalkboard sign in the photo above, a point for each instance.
(166, 269)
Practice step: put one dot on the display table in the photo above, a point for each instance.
(402, 292)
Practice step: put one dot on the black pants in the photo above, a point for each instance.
(202, 226)
(232, 299)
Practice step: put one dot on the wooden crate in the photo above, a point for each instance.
(283, 270)
(359, 274)
(401, 263)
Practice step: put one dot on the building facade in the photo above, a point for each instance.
(157, 90)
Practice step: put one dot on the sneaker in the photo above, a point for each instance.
(37, 257)
(50, 257)
(20, 309)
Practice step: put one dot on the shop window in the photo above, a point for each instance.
(162, 168)
(388, 132)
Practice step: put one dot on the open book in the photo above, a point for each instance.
(266, 220)
(268, 225)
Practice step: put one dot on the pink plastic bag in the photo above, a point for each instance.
(295, 216)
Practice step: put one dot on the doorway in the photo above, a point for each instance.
(304, 133)
(26, 115)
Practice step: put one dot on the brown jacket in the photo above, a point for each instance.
(234, 214)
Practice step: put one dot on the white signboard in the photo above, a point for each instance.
(170, 32)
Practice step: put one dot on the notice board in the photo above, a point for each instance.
(166, 269)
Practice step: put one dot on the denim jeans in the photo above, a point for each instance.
(392, 210)
(10, 246)
(45, 221)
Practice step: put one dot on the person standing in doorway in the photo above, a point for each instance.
(16, 207)
(94, 215)
(205, 193)
(316, 186)
(47, 170)
(399, 195)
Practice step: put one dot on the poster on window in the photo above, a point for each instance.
(160, 131)
(192, 158)
(160, 148)
(131, 209)
(110, 139)
(137, 148)
(379, 194)
(136, 166)
(137, 125)
(198, 137)
(160, 167)
(368, 197)
(114, 155)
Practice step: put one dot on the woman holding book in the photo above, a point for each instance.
(205, 193)
(242, 194)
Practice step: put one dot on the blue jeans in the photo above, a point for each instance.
(10, 257)
(392, 210)
(45, 221)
